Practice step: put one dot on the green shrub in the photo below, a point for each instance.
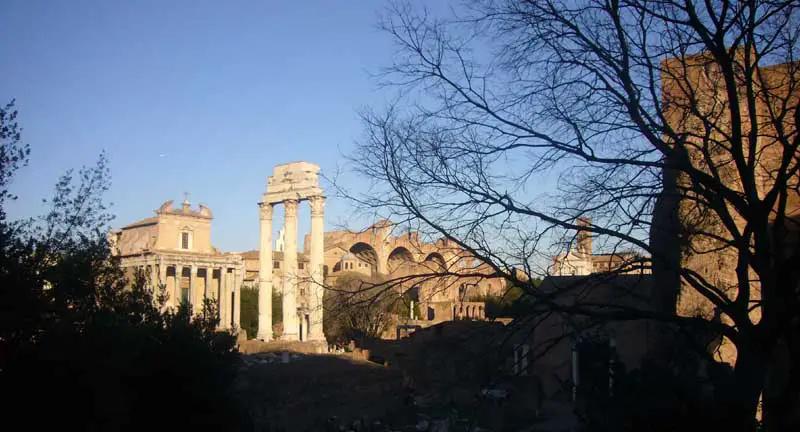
(249, 311)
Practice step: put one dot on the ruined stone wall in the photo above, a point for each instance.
(134, 240)
(684, 225)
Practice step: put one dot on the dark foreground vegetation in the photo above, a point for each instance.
(81, 347)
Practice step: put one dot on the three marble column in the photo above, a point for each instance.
(291, 275)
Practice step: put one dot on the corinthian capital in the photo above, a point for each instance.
(290, 208)
(317, 205)
(265, 210)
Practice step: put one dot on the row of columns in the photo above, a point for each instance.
(291, 276)
(227, 291)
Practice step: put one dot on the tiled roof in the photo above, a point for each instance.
(147, 221)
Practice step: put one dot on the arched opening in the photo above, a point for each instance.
(435, 261)
(413, 293)
(366, 254)
(399, 258)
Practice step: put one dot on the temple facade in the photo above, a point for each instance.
(174, 252)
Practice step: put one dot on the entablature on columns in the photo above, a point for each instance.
(293, 181)
(302, 195)
(183, 259)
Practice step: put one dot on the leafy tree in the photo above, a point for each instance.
(666, 123)
(277, 314)
(249, 317)
(83, 348)
(249, 310)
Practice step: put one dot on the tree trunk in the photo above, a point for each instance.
(780, 399)
(749, 375)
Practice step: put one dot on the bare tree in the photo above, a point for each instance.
(672, 125)
(358, 307)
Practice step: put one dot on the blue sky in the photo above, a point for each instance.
(187, 95)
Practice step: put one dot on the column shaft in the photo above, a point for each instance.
(193, 301)
(206, 287)
(317, 260)
(170, 289)
(237, 298)
(224, 296)
(179, 285)
(265, 274)
(290, 271)
(153, 276)
(162, 277)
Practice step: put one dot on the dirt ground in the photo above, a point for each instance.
(440, 374)
(305, 393)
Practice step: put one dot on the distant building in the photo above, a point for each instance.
(174, 253)
(579, 260)
(559, 348)
(375, 252)
(251, 265)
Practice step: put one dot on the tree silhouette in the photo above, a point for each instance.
(83, 348)
(672, 126)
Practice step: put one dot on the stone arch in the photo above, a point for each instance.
(398, 257)
(366, 253)
(435, 261)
